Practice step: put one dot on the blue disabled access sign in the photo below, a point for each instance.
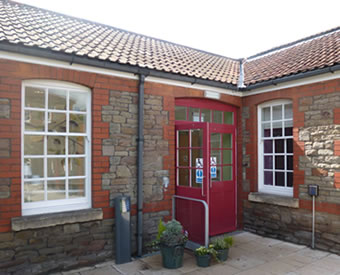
(199, 176)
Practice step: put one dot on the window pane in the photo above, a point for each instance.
(56, 190)
(205, 115)
(279, 146)
(229, 118)
(289, 146)
(194, 114)
(218, 174)
(56, 122)
(196, 138)
(288, 128)
(76, 188)
(34, 191)
(33, 145)
(268, 146)
(33, 168)
(289, 162)
(266, 130)
(266, 114)
(183, 136)
(78, 101)
(290, 179)
(217, 116)
(76, 145)
(288, 111)
(34, 97)
(280, 162)
(268, 177)
(279, 179)
(76, 167)
(180, 113)
(227, 173)
(55, 145)
(183, 177)
(34, 121)
(56, 99)
(215, 140)
(277, 112)
(268, 162)
(227, 140)
(227, 157)
(56, 167)
(277, 129)
(77, 123)
(217, 155)
(196, 153)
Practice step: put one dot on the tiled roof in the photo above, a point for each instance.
(32, 26)
(317, 52)
(36, 28)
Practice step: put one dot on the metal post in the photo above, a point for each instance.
(313, 224)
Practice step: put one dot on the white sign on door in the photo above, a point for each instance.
(199, 163)
(213, 170)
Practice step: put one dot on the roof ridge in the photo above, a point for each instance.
(122, 30)
(291, 44)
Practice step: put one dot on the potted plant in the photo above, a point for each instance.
(222, 245)
(203, 255)
(171, 238)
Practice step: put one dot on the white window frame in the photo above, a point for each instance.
(53, 206)
(277, 190)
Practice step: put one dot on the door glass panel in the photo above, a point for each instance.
(218, 174)
(196, 153)
(34, 191)
(227, 140)
(183, 177)
(78, 101)
(183, 157)
(196, 138)
(56, 99)
(33, 168)
(183, 138)
(215, 140)
(217, 117)
(56, 122)
(34, 121)
(194, 114)
(34, 145)
(34, 97)
(217, 155)
(229, 118)
(56, 167)
(180, 113)
(227, 173)
(205, 115)
(277, 112)
(227, 157)
(194, 181)
(56, 145)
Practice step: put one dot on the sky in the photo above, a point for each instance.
(238, 28)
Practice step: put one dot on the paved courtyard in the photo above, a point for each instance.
(251, 255)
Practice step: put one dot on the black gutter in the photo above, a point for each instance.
(140, 147)
(82, 60)
(292, 77)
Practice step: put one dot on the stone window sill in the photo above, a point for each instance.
(273, 199)
(52, 219)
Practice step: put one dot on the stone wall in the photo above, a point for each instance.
(294, 225)
(56, 248)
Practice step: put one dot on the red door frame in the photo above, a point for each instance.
(211, 105)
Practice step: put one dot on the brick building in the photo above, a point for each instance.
(89, 112)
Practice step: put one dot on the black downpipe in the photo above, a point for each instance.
(140, 147)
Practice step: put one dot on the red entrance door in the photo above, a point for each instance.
(205, 170)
